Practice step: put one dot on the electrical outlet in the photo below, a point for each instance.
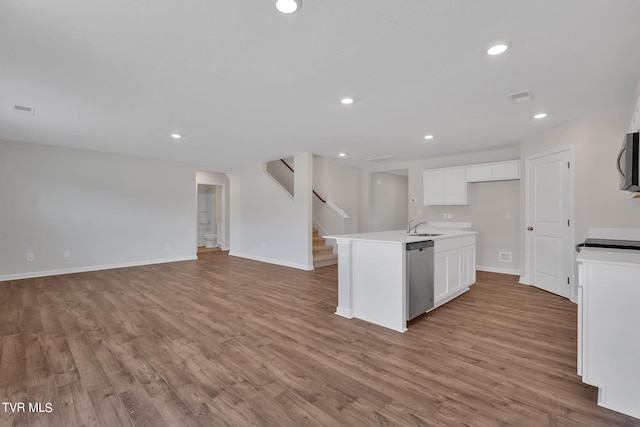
(449, 216)
(263, 244)
(30, 256)
(67, 254)
(504, 256)
(167, 246)
(507, 216)
(444, 216)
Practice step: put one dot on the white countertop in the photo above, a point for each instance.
(400, 236)
(609, 256)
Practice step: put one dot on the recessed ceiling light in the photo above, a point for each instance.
(342, 154)
(428, 137)
(288, 6)
(348, 100)
(540, 116)
(497, 49)
(176, 136)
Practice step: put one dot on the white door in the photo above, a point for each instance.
(548, 235)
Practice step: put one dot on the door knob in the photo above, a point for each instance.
(530, 228)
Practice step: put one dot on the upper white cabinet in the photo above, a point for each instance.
(499, 171)
(446, 186)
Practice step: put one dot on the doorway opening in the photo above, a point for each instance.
(388, 200)
(209, 218)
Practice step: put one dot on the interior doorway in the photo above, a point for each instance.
(549, 222)
(209, 217)
(389, 200)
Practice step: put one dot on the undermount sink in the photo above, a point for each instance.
(424, 234)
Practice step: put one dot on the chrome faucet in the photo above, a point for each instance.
(415, 227)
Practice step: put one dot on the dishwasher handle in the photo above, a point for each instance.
(415, 246)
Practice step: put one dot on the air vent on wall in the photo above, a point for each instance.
(520, 97)
(24, 110)
(380, 159)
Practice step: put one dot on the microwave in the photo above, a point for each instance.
(628, 162)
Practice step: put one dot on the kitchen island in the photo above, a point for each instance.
(372, 280)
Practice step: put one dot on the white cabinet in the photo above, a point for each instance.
(468, 265)
(498, 171)
(608, 319)
(454, 267)
(446, 186)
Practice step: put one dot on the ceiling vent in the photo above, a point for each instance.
(24, 110)
(521, 97)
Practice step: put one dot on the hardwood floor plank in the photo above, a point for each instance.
(39, 415)
(109, 410)
(229, 341)
(140, 408)
(75, 406)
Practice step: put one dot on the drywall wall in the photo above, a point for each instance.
(222, 201)
(106, 210)
(596, 141)
(267, 224)
(490, 202)
(389, 201)
(341, 185)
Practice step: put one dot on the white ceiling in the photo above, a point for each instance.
(245, 83)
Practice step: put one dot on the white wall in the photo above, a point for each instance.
(222, 201)
(490, 202)
(389, 201)
(267, 225)
(106, 209)
(596, 140)
(341, 185)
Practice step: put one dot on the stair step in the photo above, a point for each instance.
(318, 239)
(325, 260)
(320, 248)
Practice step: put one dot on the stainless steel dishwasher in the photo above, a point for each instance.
(419, 278)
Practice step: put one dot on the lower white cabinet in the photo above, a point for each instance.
(608, 319)
(468, 265)
(454, 267)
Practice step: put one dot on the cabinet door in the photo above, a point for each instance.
(433, 187)
(503, 171)
(455, 186)
(468, 265)
(440, 276)
(453, 271)
(478, 173)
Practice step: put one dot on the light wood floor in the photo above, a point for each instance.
(228, 341)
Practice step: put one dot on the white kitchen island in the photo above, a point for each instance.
(372, 272)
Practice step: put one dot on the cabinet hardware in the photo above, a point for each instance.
(530, 228)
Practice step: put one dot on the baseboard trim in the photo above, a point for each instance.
(272, 261)
(344, 312)
(61, 271)
(498, 270)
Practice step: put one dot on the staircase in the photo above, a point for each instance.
(322, 253)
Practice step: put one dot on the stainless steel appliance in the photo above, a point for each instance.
(419, 278)
(629, 163)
